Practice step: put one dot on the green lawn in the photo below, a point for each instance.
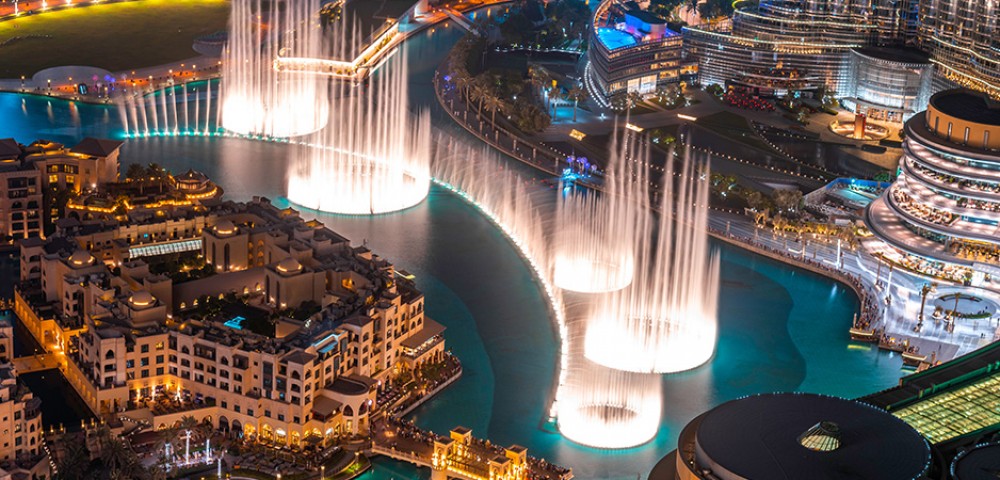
(117, 36)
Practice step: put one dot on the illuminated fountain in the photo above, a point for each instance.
(374, 157)
(188, 109)
(606, 408)
(594, 244)
(256, 98)
(665, 321)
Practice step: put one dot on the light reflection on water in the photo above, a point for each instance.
(780, 329)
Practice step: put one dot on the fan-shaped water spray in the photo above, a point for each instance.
(374, 157)
(665, 321)
(595, 235)
(258, 99)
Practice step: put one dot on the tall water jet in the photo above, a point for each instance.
(595, 235)
(376, 159)
(665, 321)
(257, 99)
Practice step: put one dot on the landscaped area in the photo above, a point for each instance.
(116, 36)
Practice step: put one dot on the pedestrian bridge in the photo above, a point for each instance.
(36, 363)
(459, 455)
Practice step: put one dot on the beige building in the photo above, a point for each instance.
(31, 176)
(21, 448)
(286, 333)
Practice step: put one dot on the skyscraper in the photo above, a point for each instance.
(963, 38)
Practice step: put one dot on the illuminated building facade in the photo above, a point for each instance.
(888, 84)
(274, 327)
(30, 176)
(963, 38)
(942, 214)
(632, 50)
(815, 39)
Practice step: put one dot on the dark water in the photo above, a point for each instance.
(781, 329)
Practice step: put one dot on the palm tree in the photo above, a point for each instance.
(480, 92)
(633, 98)
(555, 94)
(74, 462)
(539, 79)
(577, 94)
(493, 104)
(135, 172)
(463, 82)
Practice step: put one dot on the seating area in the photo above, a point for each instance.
(928, 214)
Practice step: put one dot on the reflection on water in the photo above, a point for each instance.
(780, 329)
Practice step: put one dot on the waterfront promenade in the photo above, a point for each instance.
(891, 324)
(459, 455)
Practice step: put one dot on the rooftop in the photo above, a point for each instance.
(968, 105)
(759, 437)
(898, 55)
(97, 147)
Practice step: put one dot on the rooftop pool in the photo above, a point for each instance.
(615, 39)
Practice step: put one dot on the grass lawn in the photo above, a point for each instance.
(117, 36)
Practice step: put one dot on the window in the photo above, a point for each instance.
(159, 370)
(144, 348)
(144, 374)
(144, 362)
(159, 359)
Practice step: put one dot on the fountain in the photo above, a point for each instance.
(606, 408)
(376, 159)
(595, 238)
(257, 99)
(665, 321)
(170, 111)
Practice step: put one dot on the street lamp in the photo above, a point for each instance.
(924, 290)
(322, 472)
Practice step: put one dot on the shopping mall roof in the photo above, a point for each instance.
(968, 105)
(898, 55)
(952, 401)
(770, 436)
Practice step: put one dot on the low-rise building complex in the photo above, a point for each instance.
(244, 315)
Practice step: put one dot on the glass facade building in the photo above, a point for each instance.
(888, 84)
(963, 38)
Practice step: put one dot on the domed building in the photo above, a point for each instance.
(941, 216)
(796, 436)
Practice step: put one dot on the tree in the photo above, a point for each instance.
(577, 94)
(757, 201)
(135, 172)
(493, 104)
(74, 462)
(787, 199)
(554, 95)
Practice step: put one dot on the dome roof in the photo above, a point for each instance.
(142, 299)
(289, 265)
(81, 258)
(225, 227)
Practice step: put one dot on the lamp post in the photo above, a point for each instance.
(322, 472)
(924, 290)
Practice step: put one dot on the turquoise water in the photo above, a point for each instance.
(781, 329)
(614, 39)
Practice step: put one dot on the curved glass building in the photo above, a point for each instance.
(811, 38)
(942, 215)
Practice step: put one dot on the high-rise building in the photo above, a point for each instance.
(775, 47)
(963, 38)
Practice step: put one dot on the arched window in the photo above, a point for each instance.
(109, 355)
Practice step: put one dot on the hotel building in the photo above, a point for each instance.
(31, 175)
(942, 214)
(21, 450)
(632, 50)
(243, 315)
